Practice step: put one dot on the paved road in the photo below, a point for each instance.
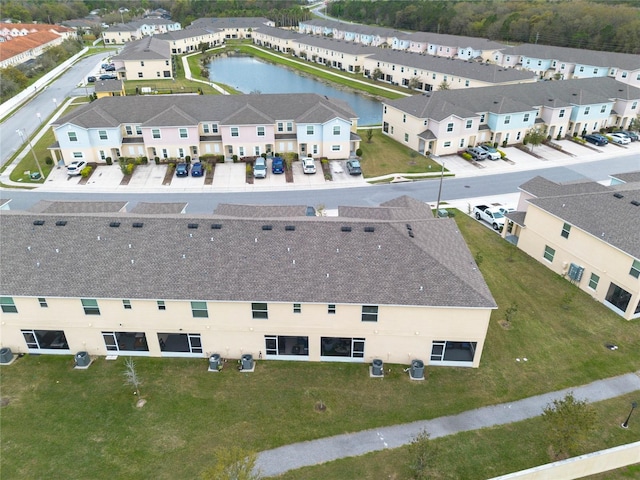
(298, 455)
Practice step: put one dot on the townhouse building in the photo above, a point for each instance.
(587, 233)
(232, 28)
(146, 59)
(22, 42)
(174, 126)
(444, 122)
(136, 30)
(190, 40)
(370, 283)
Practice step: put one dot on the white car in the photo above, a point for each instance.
(491, 152)
(308, 165)
(75, 168)
(619, 138)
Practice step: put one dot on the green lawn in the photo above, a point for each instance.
(64, 423)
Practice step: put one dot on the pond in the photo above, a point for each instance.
(248, 74)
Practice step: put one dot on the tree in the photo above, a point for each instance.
(369, 135)
(569, 422)
(535, 137)
(377, 73)
(421, 454)
(232, 463)
(414, 82)
(444, 86)
(131, 375)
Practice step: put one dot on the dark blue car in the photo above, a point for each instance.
(182, 169)
(197, 170)
(277, 165)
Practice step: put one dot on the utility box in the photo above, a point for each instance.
(5, 355)
(246, 362)
(82, 359)
(443, 213)
(214, 362)
(416, 372)
(377, 368)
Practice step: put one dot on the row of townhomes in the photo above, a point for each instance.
(369, 283)
(174, 126)
(446, 121)
(128, 32)
(546, 61)
(586, 232)
(22, 42)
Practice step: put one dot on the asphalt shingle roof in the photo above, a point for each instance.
(317, 262)
(148, 48)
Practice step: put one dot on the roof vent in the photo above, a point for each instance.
(38, 222)
(61, 223)
(216, 226)
(114, 224)
(411, 234)
(345, 228)
(137, 224)
(267, 227)
(192, 225)
(369, 229)
(618, 195)
(289, 228)
(635, 202)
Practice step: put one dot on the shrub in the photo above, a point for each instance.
(187, 159)
(235, 159)
(359, 152)
(109, 161)
(86, 171)
(264, 155)
(466, 156)
(157, 160)
(249, 169)
(48, 161)
(130, 168)
(504, 144)
(558, 137)
(145, 160)
(502, 154)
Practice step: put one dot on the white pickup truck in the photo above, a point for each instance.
(493, 216)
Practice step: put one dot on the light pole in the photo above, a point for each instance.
(39, 117)
(55, 102)
(22, 137)
(625, 424)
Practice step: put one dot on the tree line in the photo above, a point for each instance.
(589, 24)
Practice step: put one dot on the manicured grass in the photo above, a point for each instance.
(86, 426)
(384, 156)
(486, 453)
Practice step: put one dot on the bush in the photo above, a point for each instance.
(359, 152)
(466, 156)
(249, 168)
(235, 159)
(187, 159)
(130, 167)
(157, 160)
(504, 144)
(86, 171)
(145, 160)
(109, 161)
(48, 161)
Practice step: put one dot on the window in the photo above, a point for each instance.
(634, 105)
(443, 352)
(205, 128)
(43, 302)
(128, 129)
(142, 63)
(624, 74)
(635, 269)
(526, 117)
(259, 310)
(161, 305)
(77, 155)
(593, 281)
(199, 310)
(309, 129)
(289, 126)
(234, 131)
(140, 75)
(45, 339)
(297, 308)
(369, 313)
(587, 110)
(461, 143)
(404, 118)
(336, 130)
(180, 344)
(603, 109)
(335, 148)
(282, 345)
(549, 253)
(482, 118)
(280, 127)
(155, 133)
(466, 83)
(126, 304)
(125, 341)
(138, 130)
(7, 305)
(447, 144)
(507, 120)
(566, 228)
(469, 124)
(183, 133)
(561, 114)
(73, 137)
(581, 69)
(342, 347)
(618, 297)
(406, 137)
(260, 131)
(103, 156)
(103, 134)
(331, 309)
(90, 306)
(449, 127)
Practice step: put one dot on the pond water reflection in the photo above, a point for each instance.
(248, 74)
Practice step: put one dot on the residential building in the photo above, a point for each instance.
(587, 233)
(174, 126)
(109, 88)
(146, 59)
(23, 42)
(391, 282)
(136, 30)
(447, 121)
(232, 28)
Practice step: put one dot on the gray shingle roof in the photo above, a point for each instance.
(260, 211)
(152, 208)
(241, 261)
(108, 86)
(627, 177)
(77, 206)
(541, 187)
(183, 110)
(209, 23)
(606, 217)
(148, 48)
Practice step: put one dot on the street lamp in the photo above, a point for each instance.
(39, 117)
(55, 102)
(22, 137)
(625, 424)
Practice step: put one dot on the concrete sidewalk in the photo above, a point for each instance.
(298, 455)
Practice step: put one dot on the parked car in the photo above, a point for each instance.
(91, 79)
(197, 170)
(260, 168)
(619, 138)
(492, 153)
(477, 153)
(504, 210)
(353, 166)
(633, 136)
(110, 68)
(277, 165)
(308, 165)
(182, 169)
(596, 139)
(107, 76)
(75, 168)
(104, 65)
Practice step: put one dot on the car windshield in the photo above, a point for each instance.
(355, 163)
(498, 215)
